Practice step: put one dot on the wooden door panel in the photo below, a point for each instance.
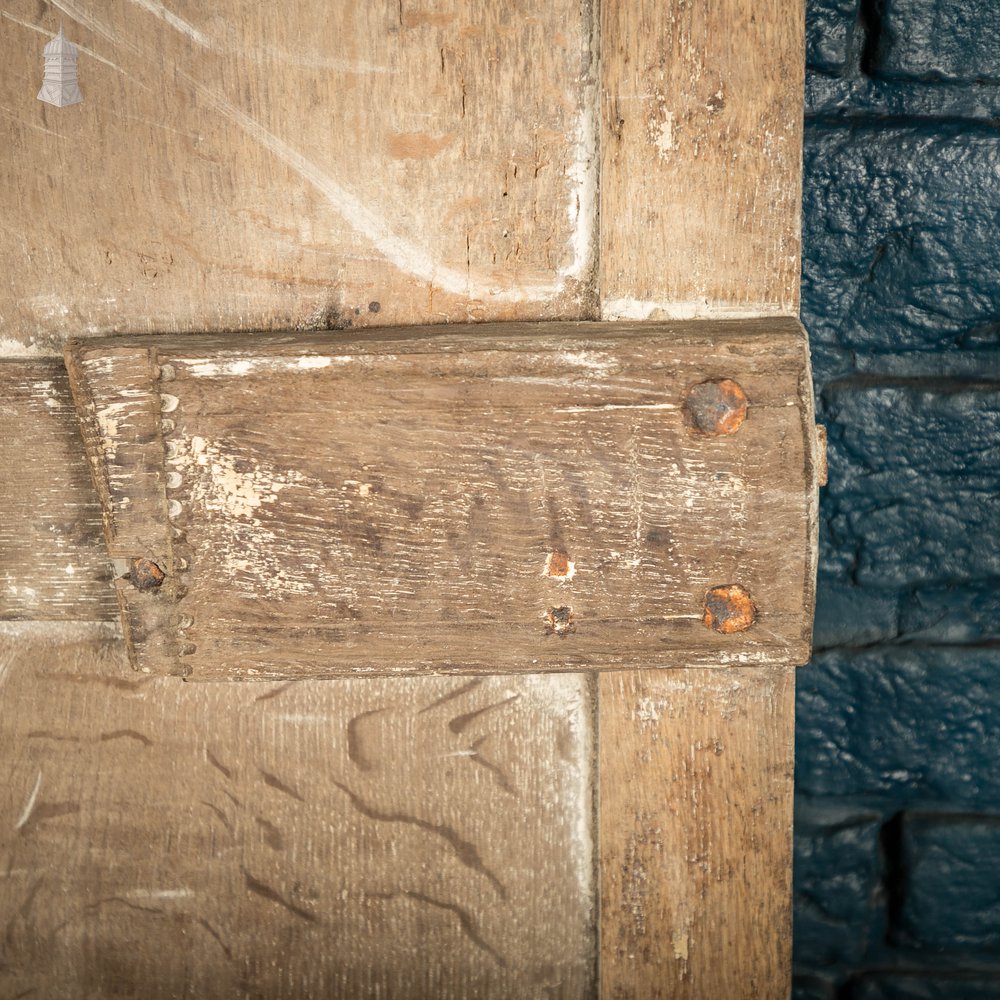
(317, 165)
(410, 837)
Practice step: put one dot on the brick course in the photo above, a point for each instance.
(897, 850)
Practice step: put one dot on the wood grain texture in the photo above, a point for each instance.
(701, 147)
(701, 123)
(398, 837)
(405, 496)
(53, 561)
(244, 166)
(696, 797)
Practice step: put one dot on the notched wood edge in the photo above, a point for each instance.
(118, 382)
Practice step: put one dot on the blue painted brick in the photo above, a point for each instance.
(914, 492)
(951, 894)
(927, 986)
(939, 40)
(849, 615)
(838, 906)
(900, 273)
(952, 614)
(832, 35)
(806, 987)
(911, 726)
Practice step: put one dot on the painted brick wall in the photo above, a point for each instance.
(897, 872)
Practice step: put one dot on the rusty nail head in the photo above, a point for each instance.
(559, 621)
(559, 565)
(729, 609)
(716, 407)
(144, 574)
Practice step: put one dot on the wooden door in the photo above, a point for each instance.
(318, 166)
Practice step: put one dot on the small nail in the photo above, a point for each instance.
(559, 621)
(559, 565)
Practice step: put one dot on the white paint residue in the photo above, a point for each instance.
(663, 135)
(615, 406)
(265, 51)
(11, 348)
(48, 393)
(582, 204)
(639, 309)
(175, 22)
(241, 488)
(313, 362)
(228, 490)
(109, 419)
(649, 710)
(30, 804)
(599, 364)
(568, 701)
(245, 366)
(48, 307)
(161, 893)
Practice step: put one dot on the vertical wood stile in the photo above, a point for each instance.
(701, 126)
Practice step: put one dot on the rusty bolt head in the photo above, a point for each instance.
(729, 609)
(144, 574)
(716, 407)
(559, 621)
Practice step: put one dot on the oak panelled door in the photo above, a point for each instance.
(345, 659)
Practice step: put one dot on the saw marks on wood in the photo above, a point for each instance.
(243, 166)
(491, 498)
(397, 837)
(695, 833)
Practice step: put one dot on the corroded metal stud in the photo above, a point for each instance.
(144, 574)
(729, 609)
(716, 407)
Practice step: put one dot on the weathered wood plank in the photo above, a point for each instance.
(701, 117)
(53, 561)
(245, 166)
(380, 837)
(493, 498)
(701, 146)
(695, 833)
